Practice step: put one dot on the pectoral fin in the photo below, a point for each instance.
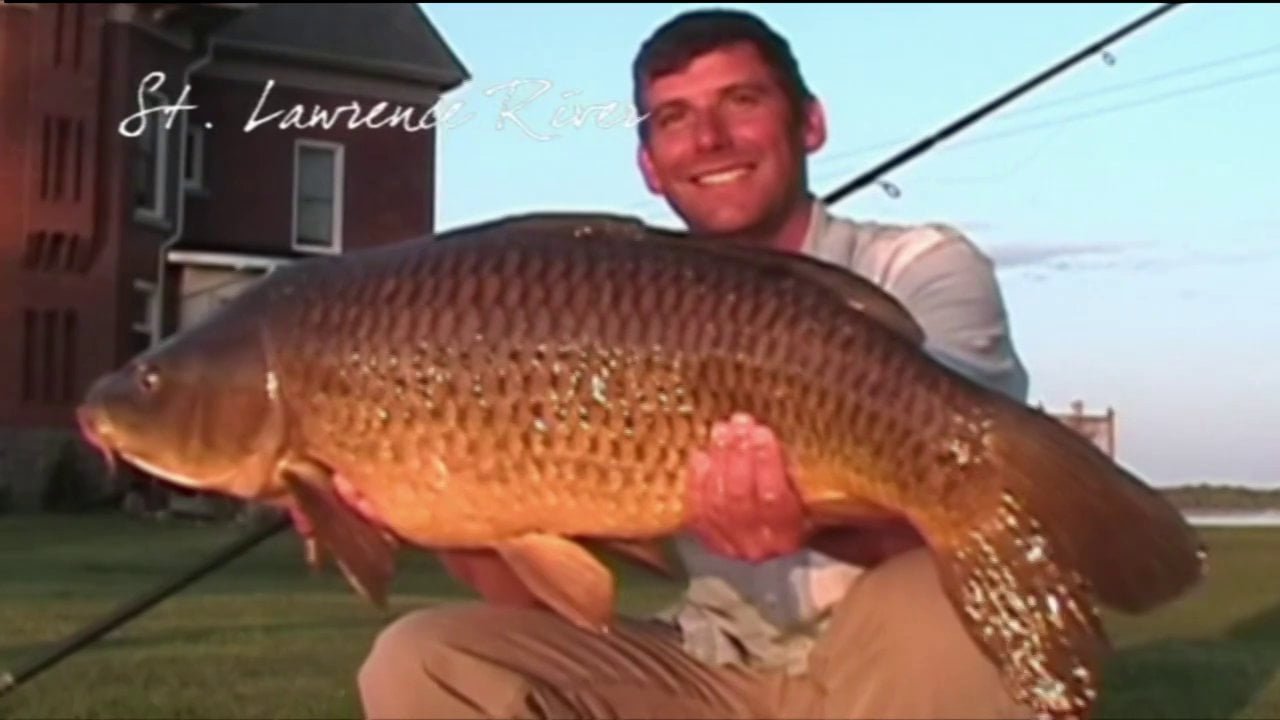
(565, 576)
(361, 551)
(311, 547)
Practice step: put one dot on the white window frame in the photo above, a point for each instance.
(339, 156)
(156, 123)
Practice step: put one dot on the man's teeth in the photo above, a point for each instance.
(720, 178)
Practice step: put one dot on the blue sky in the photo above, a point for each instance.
(1132, 207)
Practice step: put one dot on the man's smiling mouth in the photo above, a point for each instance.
(722, 177)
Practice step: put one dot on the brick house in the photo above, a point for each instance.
(114, 234)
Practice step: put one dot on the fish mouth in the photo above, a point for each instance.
(97, 432)
(93, 432)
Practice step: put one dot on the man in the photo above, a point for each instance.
(766, 629)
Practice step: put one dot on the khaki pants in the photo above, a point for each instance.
(894, 649)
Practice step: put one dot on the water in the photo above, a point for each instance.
(1246, 518)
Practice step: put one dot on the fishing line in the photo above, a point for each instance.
(825, 161)
(874, 174)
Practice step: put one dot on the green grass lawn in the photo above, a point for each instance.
(264, 638)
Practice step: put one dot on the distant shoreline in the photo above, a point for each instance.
(1204, 519)
(1226, 505)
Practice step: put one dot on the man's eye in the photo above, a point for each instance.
(669, 118)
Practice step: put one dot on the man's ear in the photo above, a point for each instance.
(815, 126)
(647, 169)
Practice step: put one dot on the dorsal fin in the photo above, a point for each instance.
(585, 225)
(858, 292)
(852, 289)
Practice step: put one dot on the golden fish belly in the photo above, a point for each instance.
(473, 397)
(586, 444)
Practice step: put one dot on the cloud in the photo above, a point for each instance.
(1039, 260)
(1199, 258)
(1051, 255)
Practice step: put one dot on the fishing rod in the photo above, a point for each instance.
(79, 640)
(129, 610)
(923, 146)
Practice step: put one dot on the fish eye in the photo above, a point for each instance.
(148, 378)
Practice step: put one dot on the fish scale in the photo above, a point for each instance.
(534, 384)
(634, 407)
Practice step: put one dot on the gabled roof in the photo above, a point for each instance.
(394, 40)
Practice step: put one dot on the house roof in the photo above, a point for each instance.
(394, 40)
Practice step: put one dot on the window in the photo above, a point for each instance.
(193, 173)
(146, 309)
(70, 339)
(317, 196)
(30, 354)
(50, 340)
(150, 151)
(49, 358)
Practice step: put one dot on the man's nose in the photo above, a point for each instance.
(711, 133)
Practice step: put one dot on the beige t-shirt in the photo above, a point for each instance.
(768, 614)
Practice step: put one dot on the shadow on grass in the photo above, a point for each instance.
(1211, 678)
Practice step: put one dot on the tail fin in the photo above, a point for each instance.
(1128, 542)
(1065, 527)
(1021, 606)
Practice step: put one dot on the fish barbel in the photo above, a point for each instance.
(536, 384)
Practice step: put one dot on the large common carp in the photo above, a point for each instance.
(537, 384)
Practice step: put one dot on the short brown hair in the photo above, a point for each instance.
(678, 41)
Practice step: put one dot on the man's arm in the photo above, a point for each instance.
(952, 291)
(950, 287)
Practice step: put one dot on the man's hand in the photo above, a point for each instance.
(740, 496)
(744, 506)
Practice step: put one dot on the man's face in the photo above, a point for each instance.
(724, 146)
